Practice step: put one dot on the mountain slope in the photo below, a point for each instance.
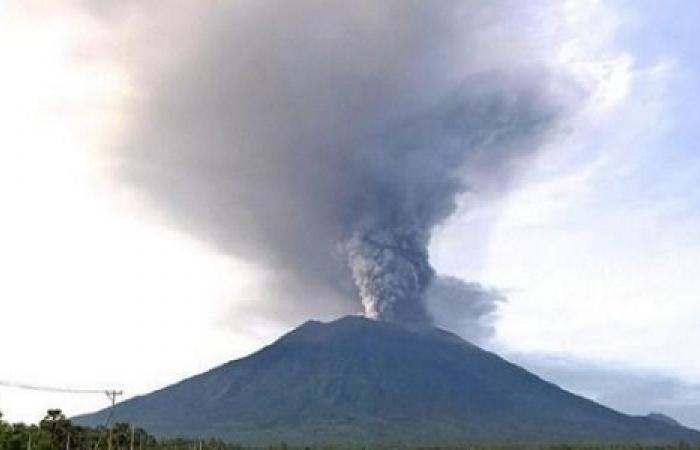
(360, 380)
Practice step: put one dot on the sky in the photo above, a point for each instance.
(594, 249)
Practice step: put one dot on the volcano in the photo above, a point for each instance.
(360, 380)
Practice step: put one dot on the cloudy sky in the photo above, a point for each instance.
(111, 280)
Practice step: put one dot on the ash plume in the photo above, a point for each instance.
(466, 308)
(325, 140)
(391, 271)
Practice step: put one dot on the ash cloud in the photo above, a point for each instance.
(464, 307)
(324, 140)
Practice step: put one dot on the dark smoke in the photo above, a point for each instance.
(408, 181)
(466, 308)
(324, 140)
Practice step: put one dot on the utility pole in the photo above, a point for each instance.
(68, 442)
(112, 396)
(131, 445)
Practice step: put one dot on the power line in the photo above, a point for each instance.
(111, 394)
(60, 390)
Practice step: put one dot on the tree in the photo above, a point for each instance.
(57, 427)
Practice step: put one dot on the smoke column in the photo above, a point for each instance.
(411, 176)
(391, 270)
(325, 140)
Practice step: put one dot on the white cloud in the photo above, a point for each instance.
(600, 246)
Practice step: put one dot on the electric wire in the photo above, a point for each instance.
(60, 390)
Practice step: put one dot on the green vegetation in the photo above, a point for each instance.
(56, 432)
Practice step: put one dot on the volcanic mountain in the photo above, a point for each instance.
(361, 380)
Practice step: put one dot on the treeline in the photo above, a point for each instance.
(56, 432)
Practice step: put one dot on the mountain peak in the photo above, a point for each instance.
(359, 326)
(358, 379)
